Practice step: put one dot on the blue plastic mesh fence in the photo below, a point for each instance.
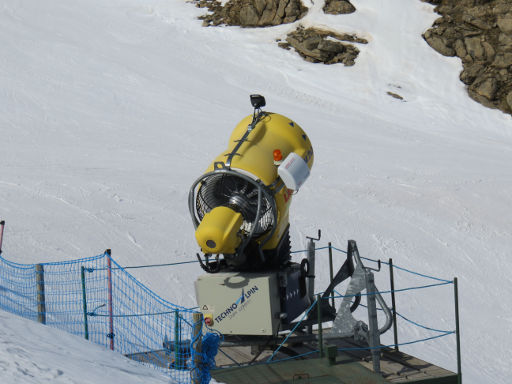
(16, 294)
(97, 299)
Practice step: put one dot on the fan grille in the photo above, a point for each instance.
(238, 194)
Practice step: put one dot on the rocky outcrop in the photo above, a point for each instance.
(314, 45)
(252, 13)
(338, 7)
(320, 46)
(480, 33)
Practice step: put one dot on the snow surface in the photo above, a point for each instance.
(110, 110)
(31, 353)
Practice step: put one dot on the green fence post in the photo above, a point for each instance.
(84, 300)
(457, 330)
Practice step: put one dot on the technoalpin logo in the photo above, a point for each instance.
(238, 305)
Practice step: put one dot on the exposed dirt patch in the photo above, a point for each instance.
(480, 33)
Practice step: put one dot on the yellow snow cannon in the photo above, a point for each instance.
(239, 206)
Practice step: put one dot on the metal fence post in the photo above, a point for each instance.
(84, 300)
(457, 329)
(374, 335)
(196, 335)
(41, 305)
(320, 331)
(108, 252)
(311, 276)
(393, 303)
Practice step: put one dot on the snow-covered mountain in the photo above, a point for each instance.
(110, 110)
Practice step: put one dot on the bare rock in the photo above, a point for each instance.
(269, 15)
(508, 100)
(478, 12)
(470, 73)
(505, 41)
(486, 87)
(503, 60)
(489, 50)
(284, 44)
(438, 43)
(505, 23)
(501, 7)
(480, 33)
(249, 16)
(292, 11)
(475, 22)
(395, 95)
(321, 46)
(260, 6)
(474, 47)
(252, 13)
(281, 9)
(338, 7)
(460, 48)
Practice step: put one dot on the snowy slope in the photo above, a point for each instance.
(31, 353)
(110, 110)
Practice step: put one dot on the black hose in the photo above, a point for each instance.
(209, 267)
(355, 304)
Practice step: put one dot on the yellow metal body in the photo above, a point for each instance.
(255, 158)
(218, 231)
